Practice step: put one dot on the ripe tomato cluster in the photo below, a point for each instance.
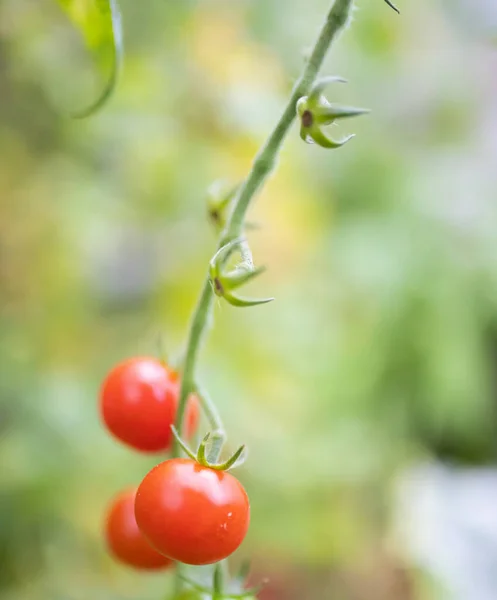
(182, 510)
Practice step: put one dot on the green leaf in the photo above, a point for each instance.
(99, 22)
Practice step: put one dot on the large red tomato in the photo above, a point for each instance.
(125, 541)
(138, 403)
(191, 513)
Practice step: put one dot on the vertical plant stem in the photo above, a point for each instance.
(210, 409)
(265, 160)
(264, 163)
(262, 166)
(198, 327)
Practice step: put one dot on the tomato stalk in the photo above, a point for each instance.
(218, 435)
(210, 409)
(262, 167)
(218, 583)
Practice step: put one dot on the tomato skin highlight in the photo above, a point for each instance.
(138, 404)
(125, 541)
(191, 513)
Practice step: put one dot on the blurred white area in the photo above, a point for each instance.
(445, 522)
(479, 15)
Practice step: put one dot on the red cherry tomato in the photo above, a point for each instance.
(191, 513)
(138, 403)
(125, 541)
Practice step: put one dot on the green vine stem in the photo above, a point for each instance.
(264, 163)
(210, 409)
(262, 167)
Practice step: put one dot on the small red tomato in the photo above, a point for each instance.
(125, 541)
(138, 403)
(191, 513)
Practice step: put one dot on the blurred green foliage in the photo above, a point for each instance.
(99, 23)
(381, 347)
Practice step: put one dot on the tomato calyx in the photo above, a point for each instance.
(315, 112)
(209, 450)
(225, 282)
(219, 198)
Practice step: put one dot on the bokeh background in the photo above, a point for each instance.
(367, 393)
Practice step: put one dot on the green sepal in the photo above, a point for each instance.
(320, 85)
(201, 456)
(235, 460)
(315, 135)
(240, 302)
(240, 275)
(184, 446)
(326, 115)
(327, 142)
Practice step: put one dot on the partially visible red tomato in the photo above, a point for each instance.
(191, 513)
(138, 404)
(125, 541)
